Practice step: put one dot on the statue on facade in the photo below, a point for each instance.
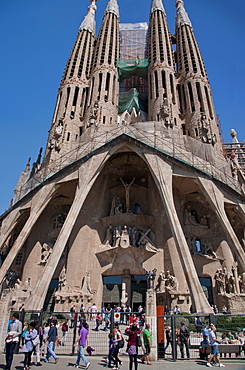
(58, 220)
(62, 279)
(108, 236)
(124, 242)
(150, 277)
(161, 283)
(127, 188)
(172, 284)
(46, 251)
(124, 297)
(145, 243)
(208, 250)
(86, 286)
(94, 116)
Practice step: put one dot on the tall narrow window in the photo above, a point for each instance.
(208, 101)
(199, 94)
(156, 84)
(92, 90)
(75, 96)
(67, 96)
(113, 89)
(191, 97)
(107, 85)
(100, 84)
(172, 88)
(180, 98)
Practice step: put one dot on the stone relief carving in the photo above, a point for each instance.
(167, 283)
(66, 295)
(58, 220)
(127, 188)
(126, 236)
(206, 248)
(62, 279)
(124, 297)
(191, 218)
(86, 286)
(150, 277)
(229, 283)
(54, 142)
(46, 251)
(94, 115)
(165, 113)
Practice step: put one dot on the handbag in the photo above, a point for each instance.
(36, 341)
(138, 341)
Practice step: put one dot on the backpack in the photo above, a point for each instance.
(121, 342)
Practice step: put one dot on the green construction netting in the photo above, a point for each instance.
(131, 99)
(132, 67)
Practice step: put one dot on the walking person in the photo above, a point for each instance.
(51, 339)
(116, 336)
(39, 342)
(30, 341)
(45, 342)
(14, 332)
(184, 335)
(64, 329)
(82, 340)
(133, 331)
(168, 337)
(147, 339)
(111, 349)
(214, 347)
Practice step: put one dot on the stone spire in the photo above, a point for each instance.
(182, 16)
(157, 5)
(89, 20)
(112, 7)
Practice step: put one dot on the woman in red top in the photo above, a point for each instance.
(133, 331)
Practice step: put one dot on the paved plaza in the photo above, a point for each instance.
(66, 362)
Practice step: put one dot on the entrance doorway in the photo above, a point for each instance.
(112, 291)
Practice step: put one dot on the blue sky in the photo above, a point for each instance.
(36, 38)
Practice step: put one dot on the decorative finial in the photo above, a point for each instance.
(112, 7)
(157, 5)
(182, 16)
(89, 20)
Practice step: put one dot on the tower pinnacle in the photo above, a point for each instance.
(182, 16)
(89, 22)
(112, 7)
(157, 5)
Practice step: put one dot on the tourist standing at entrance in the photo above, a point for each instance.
(133, 331)
(183, 340)
(214, 347)
(14, 331)
(72, 316)
(147, 339)
(51, 339)
(82, 341)
(198, 324)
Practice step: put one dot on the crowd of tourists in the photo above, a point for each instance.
(36, 341)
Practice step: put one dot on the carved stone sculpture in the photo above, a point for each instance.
(45, 253)
(161, 283)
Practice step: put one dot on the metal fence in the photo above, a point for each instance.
(169, 347)
(229, 325)
(97, 338)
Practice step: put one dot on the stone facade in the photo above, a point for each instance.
(114, 199)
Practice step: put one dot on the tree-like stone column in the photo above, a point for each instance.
(216, 200)
(88, 174)
(162, 174)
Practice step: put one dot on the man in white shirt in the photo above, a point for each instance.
(12, 338)
(214, 347)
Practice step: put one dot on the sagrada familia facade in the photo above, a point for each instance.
(134, 179)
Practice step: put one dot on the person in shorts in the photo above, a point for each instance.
(214, 356)
(147, 339)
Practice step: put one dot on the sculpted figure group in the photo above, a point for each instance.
(167, 283)
(229, 283)
(126, 236)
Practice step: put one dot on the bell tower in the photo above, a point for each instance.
(68, 119)
(196, 105)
